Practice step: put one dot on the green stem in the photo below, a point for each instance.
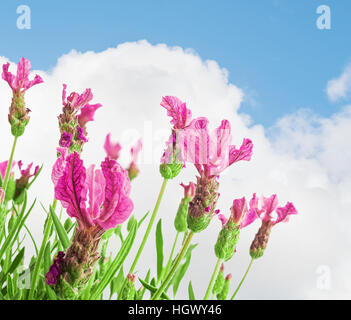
(147, 233)
(171, 254)
(213, 279)
(9, 165)
(242, 280)
(174, 267)
(41, 253)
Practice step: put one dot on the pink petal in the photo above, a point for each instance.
(8, 76)
(244, 153)
(59, 166)
(112, 149)
(269, 205)
(176, 109)
(87, 113)
(3, 167)
(238, 210)
(95, 183)
(116, 191)
(223, 219)
(189, 190)
(284, 212)
(135, 150)
(64, 93)
(71, 188)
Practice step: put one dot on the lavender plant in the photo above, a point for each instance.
(92, 204)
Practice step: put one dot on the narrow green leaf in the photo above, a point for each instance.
(47, 258)
(182, 270)
(116, 263)
(61, 232)
(116, 283)
(159, 249)
(15, 263)
(152, 289)
(191, 291)
(51, 293)
(142, 219)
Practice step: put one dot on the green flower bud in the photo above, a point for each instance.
(11, 189)
(180, 221)
(219, 283)
(225, 290)
(129, 291)
(227, 240)
(170, 170)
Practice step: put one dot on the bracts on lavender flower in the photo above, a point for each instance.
(211, 153)
(180, 222)
(107, 191)
(229, 235)
(269, 205)
(76, 113)
(18, 114)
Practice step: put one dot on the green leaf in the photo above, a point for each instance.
(116, 283)
(142, 219)
(182, 269)
(153, 289)
(15, 263)
(10, 287)
(131, 223)
(61, 232)
(191, 291)
(159, 249)
(47, 258)
(140, 293)
(116, 263)
(13, 235)
(51, 293)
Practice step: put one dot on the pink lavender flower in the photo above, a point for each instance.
(211, 152)
(112, 149)
(76, 113)
(53, 274)
(18, 114)
(107, 191)
(98, 200)
(133, 169)
(20, 81)
(229, 235)
(171, 163)
(265, 213)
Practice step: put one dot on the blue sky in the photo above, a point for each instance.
(272, 49)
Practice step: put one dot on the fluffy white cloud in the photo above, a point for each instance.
(340, 87)
(303, 158)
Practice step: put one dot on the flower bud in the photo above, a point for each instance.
(227, 240)
(219, 283)
(170, 170)
(202, 207)
(133, 171)
(11, 188)
(180, 222)
(129, 289)
(260, 241)
(225, 290)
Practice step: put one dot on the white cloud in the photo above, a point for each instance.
(304, 159)
(340, 87)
